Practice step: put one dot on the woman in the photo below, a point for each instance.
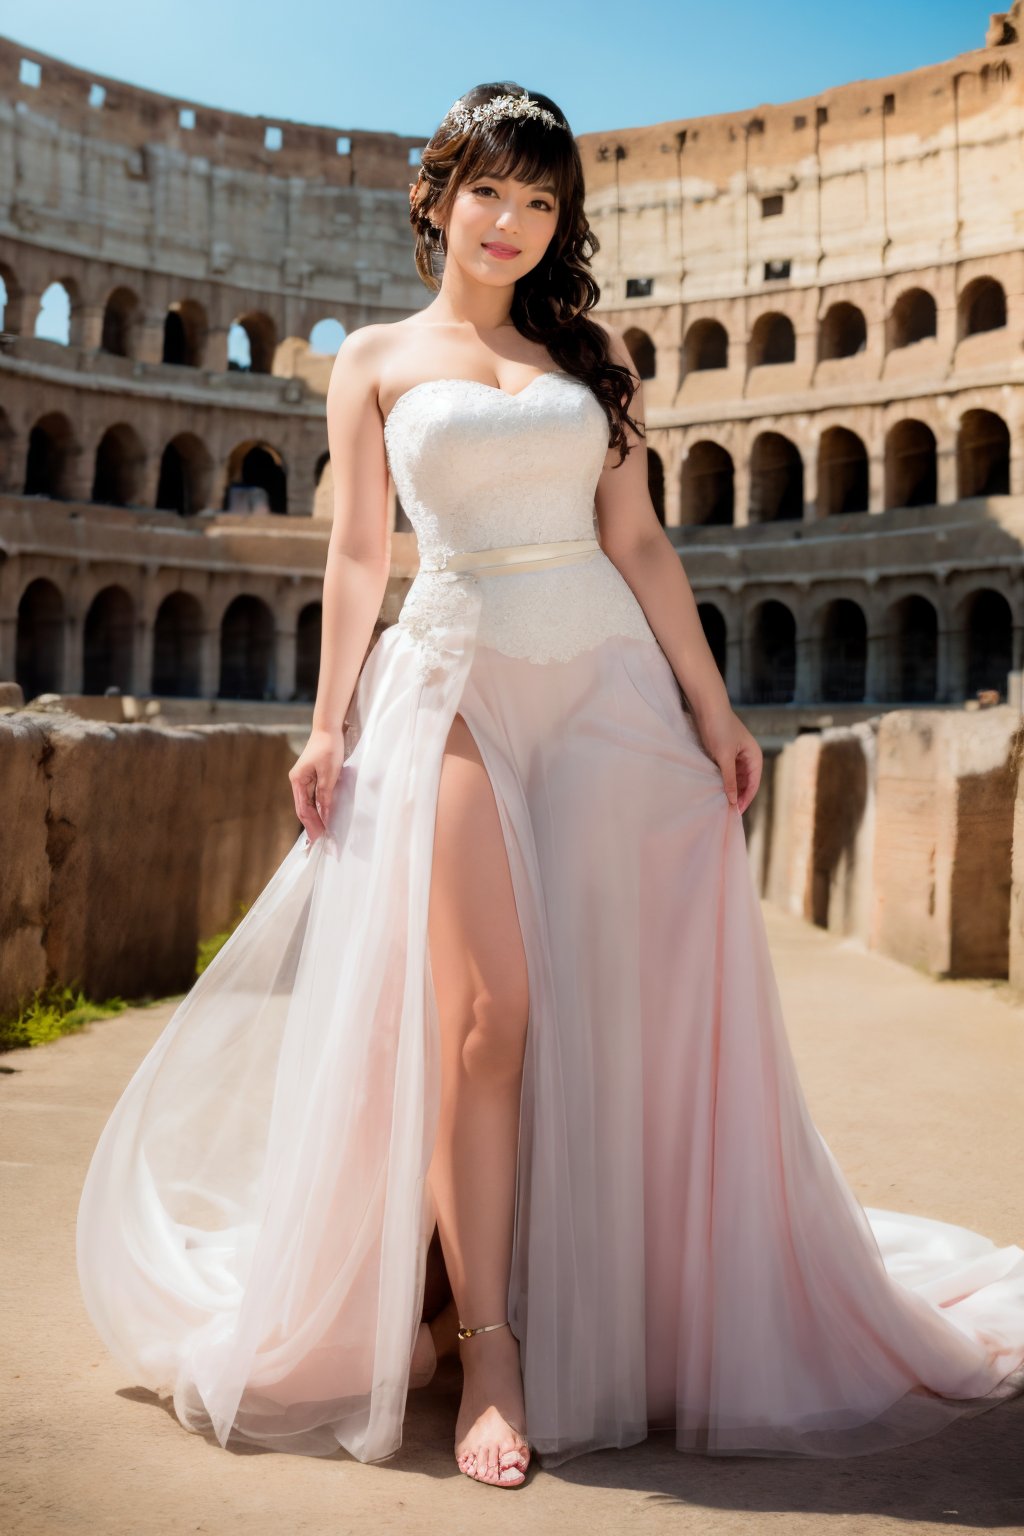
(513, 980)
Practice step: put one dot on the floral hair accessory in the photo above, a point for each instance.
(499, 107)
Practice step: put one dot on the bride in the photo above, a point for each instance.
(512, 982)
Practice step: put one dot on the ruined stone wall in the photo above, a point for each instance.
(123, 846)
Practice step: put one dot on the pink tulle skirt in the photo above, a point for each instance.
(687, 1255)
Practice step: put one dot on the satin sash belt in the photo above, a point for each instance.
(517, 557)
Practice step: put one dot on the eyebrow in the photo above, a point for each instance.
(547, 187)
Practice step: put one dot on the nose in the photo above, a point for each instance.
(506, 220)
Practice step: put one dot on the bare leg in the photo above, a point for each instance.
(480, 980)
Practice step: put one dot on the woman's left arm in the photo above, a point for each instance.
(634, 540)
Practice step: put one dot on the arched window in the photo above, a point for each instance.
(911, 476)
(844, 652)
(706, 346)
(177, 643)
(983, 455)
(773, 340)
(842, 473)
(641, 349)
(772, 654)
(843, 333)
(247, 650)
(776, 479)
(708, 486)
(913, 651)
(914, 318)
(982, 307)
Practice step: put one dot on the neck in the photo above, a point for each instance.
(465, 302)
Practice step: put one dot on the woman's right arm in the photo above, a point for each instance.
(358, 560)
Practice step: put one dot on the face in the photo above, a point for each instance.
(500, 228)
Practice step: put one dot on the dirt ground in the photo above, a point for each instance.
(917, 1086)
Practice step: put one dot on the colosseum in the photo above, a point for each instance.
(823, 298)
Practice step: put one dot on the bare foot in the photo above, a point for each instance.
(489, 1444)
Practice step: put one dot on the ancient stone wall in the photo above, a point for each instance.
(901, 832)
(122, 846)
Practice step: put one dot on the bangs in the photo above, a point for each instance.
(525, 151)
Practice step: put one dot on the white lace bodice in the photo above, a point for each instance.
(478, 468)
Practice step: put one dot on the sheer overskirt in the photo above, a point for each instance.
(687, 1254)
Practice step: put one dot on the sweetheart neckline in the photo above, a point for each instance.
(493, 389)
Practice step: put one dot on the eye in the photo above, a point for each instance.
(546, 207)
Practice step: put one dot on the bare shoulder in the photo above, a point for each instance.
(364, 357)
(617, 349)
(357, 362)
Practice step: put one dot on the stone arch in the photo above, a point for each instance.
(776, 479)
(185, 333)
(708, 485)
(186, 476)
(260, 340)
(246, 650)
(13, 298)
(656, 483)
(177, 646)
(55, 318)
(716, 632)
(706, 346)
(844, 651)
(50, 459)
(107, 642)
(912, 633)
(843, 332)
(771, 653)
(39, 639)
(642, 350)
(983, 455)
(307, 650)
(842, 472)
(914, 317)
(911, 465)
(772, 340)
(120, 463)
(122, 316)
(987, 641)
(326, 336)
(982, 307)
(257, 479)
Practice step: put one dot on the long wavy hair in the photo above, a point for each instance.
(551, 301)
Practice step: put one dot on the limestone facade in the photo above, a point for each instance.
(825, 300)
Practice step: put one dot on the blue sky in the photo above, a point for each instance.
(398, 64)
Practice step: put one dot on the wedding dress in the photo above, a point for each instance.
(686, 1254)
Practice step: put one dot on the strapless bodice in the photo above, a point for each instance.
(477, 468)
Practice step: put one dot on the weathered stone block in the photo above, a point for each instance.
(943, 839)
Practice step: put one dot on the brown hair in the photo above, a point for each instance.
(550, 303)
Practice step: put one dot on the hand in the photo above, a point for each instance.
(737, 754)
(314, 777)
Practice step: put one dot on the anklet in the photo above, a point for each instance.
(467, 1333)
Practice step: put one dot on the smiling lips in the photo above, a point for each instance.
(497, 249)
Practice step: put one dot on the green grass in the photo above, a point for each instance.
(62, 1010)
(52, 1012)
